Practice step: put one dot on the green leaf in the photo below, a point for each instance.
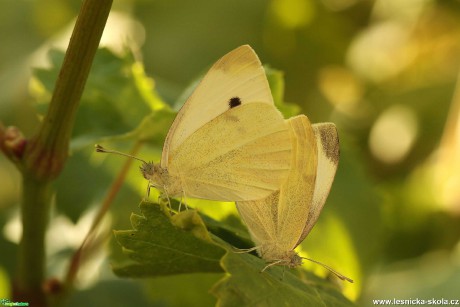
(194, 289)
(152, 129)
(276, 81)
(276, 286)
(113, 293)
(117, 97)
(161, 245)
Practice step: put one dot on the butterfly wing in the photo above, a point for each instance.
(243, 154)
(297, 193)
(276, 222)
(260, 217)
(327, 141)
(238, 74)
(229, 142)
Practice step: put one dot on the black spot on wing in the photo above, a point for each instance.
(234, 102)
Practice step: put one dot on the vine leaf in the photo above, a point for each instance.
(246, 285)
(160, 245)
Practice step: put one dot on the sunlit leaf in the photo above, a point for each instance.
(4, 285)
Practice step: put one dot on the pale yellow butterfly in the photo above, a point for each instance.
(280, 222)
(228, 142)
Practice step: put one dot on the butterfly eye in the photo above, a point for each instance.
(234, 102)
(147, 170)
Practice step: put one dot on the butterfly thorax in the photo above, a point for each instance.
(159, 178)
(272, 254)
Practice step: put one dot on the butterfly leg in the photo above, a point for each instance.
(276, 262)
(147, 193)
(184, 198)
(165, 202)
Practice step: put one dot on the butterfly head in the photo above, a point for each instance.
(284, 258)
(147, 170)
(293, 259)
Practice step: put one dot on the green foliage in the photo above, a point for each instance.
(194, 288)
(116, 293)
(151, 129)
(164, 246)
(119, 105)
(118, 96)
(276, 80)
(161, 245)
(276, 286)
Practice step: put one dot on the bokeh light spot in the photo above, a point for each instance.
(292, 13)
(393, 134)
(341, 87)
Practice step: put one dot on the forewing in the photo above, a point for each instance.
(237, 75)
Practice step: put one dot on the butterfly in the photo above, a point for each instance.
(228, 142)
(281, 221)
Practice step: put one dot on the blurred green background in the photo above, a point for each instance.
(385, 72)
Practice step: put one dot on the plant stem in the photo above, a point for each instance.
(35, 214)
(47, 151)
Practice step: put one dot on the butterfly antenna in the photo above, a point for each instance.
(342, 277)
(99, 148)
